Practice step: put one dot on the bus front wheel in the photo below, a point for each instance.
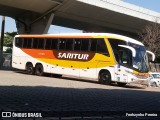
(29, 69)
(105, 77)
(39, 70)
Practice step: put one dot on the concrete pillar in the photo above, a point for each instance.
(2, 35)
(2, 41)
(34, 26)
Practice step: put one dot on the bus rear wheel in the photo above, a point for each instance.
(39, 70)
(29, 69)
(121, 84)
(105, 77)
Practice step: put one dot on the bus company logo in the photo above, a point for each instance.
(74, 56)
(6, 114)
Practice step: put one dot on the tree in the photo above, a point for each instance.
(8, 38)
(8, 41)
(150, 36)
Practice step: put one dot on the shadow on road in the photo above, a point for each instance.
(83, 80)
(41, 98)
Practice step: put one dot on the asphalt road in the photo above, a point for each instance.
(22, 92)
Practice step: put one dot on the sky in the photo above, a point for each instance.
(149, 4)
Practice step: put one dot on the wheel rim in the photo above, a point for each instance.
(39, 70)
(105, 77)
(29, 69)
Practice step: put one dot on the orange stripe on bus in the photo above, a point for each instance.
(39, 53)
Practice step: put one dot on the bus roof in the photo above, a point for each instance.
(108, 35)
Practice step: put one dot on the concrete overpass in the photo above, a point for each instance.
(35, 16)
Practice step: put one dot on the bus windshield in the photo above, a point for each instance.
(123, 56)
(140, 60)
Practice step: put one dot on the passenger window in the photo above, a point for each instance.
(93, 47)
(54, 44)
(62, 44)
(38, 43)
(35, 43)
(19, 42)
(101, 47)
(27, 43)
(69, 44)
(85, 45)
(48, 44)
(77, 44)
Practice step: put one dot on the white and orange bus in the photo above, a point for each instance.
(101, 56)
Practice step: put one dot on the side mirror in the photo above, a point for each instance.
(131, 48)
(153, 55)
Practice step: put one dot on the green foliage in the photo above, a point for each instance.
(12, 34)
(8, 38)
(8, 50)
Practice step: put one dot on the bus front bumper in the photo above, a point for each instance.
(140, 81)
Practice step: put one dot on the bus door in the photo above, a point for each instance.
(123, 65)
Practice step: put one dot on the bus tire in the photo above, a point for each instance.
(29, 69)
(39, 70)
(105, 77)
(121, 84)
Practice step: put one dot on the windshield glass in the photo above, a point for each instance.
(140, 60)
(156, 75)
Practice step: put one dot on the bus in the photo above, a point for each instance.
(104, 57)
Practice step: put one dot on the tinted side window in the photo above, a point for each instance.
(48, 44)
(77, 44)
(93, 47)
(54, 44)
(69, 44)
(18, 42)
(38, 43)
(62, 44)
(85, 45)
(35, 43)
(27, 43)
(101, 47)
